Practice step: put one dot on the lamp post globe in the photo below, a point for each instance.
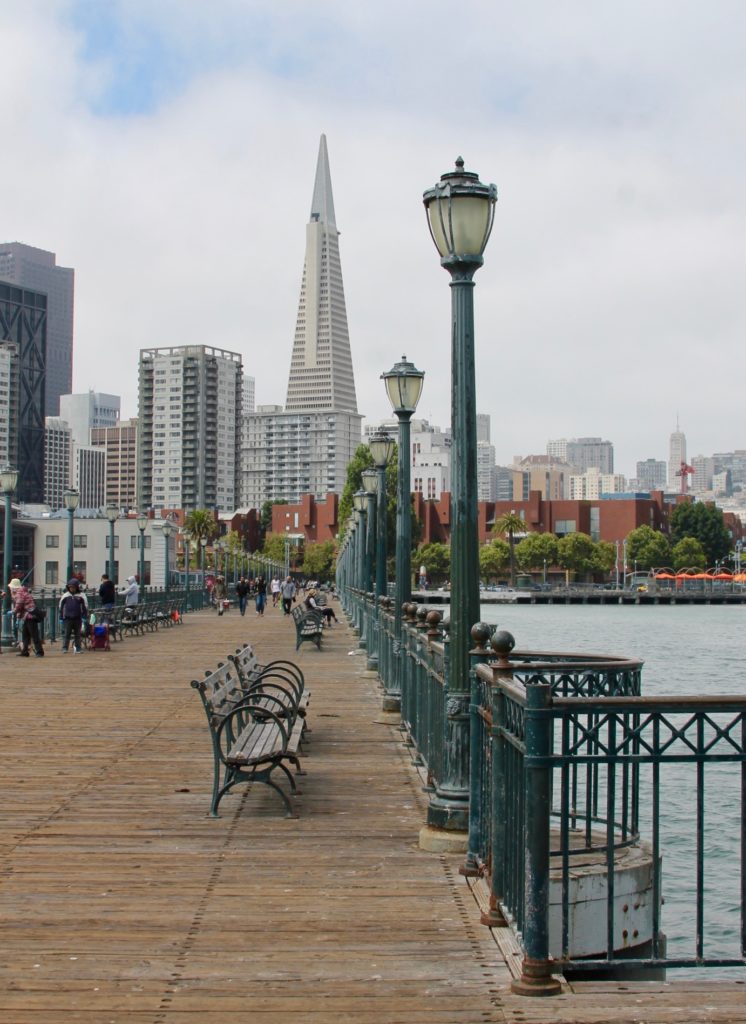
(403, 387)
(8, 484)
(71, 500)
(460, 213)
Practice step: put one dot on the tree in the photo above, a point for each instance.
(648, 548)
(704, 522)
(436, 558)
(493, 558)
(201, 523)
(510, 523)
(536, 550)
(576, 552)
(604, 558)
(362, 459)
(265, 519)
(689, 554)
(318, 560)
(274, 547)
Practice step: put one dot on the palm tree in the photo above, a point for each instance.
(510, 523)
(201, 523)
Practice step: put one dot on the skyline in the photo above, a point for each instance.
(166, 155)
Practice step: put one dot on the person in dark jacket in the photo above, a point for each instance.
(261, 594)
(108, 593)
(26, 612)
(242, 593)
(73, 609)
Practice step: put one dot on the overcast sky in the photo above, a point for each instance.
(166, 150)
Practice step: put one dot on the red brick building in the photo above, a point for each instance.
(316, 520)
(608, 519)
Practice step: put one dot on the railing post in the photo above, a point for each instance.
(536, 971)
(480, 634)
(502, 644)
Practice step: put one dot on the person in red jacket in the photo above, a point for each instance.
(26, 612)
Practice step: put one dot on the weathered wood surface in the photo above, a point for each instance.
(121, 900)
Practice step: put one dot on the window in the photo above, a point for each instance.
(51, 573)
(80, 569)
(80, 540)
(564, 526)
(135, 542)
(116, 541)
(53, 542)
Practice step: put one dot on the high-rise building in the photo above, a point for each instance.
(676, 456)
(593, 484)
(90, 409)
(57, 461)
(704, 470)
(6, 360)
(483, 427)
(89, 474)
(23, 343)
(37, 269)
(583, 453)
(120, 445)
(189, 428)
(486, 472)
(321, 374)
(307, 446)
(651, 475)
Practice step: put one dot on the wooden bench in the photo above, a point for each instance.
(281, 676)
(309, 625)
(252, 735)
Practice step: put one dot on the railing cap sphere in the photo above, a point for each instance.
(480, 634)
(502, 642)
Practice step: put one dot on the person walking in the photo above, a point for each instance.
(242, 593)
(261, 594)
(73, 609)
(274, 589)
(288, 595)
(26, 612)
(220, 593)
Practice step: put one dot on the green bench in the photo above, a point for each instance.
(255, 729)
(309, 625)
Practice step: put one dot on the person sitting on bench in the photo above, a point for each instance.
(311, 603)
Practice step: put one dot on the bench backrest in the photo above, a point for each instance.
(219, 691)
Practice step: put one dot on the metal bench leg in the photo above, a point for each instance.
(290, 811)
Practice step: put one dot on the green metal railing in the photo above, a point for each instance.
(569, 764)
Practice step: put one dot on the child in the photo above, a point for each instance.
(73, 609)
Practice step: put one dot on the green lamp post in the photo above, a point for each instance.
(112, 514)
(71, 499)
(369, 479)
(8, 483)
(460, 213)
(167, 529)
(203, 549)
(187, 558)
(381, 447)
(142, 522)
(404, 387)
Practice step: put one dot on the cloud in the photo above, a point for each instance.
(167, 152)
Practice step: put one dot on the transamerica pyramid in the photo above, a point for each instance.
(321, 374)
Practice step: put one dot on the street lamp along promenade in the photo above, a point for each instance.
(404, 387)
(8, 484)
(142, 522)
(381, 447)
(167, 529)
(112, 514)
(460, 213)
(71, 500)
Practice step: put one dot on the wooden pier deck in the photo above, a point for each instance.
(122, 901)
